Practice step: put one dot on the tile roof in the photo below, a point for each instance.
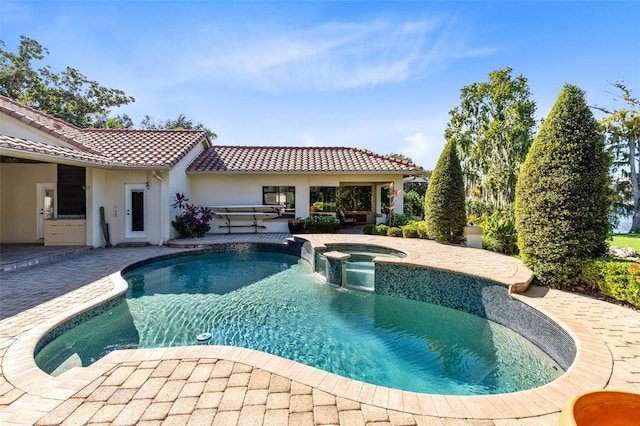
(10, 144)
(164, 148)
(116, 147)
(145, 148)
(267, 159)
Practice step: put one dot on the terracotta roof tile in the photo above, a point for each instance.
(164, 148)
(10, 143)
(43, 122)
(132, 148)
(267, 159)
(145, 148)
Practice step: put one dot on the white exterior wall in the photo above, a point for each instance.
(97, 196)
(12, 127)
(176, 181)
(18, 198)
(115, 205)
(244, 189)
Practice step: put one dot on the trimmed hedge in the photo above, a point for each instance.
(369, 229)
(410, 231)
(444, 205)
(421, 229)
(617, 278)
(394, 232)
(381, 229)
(562, 193)
(320, 224)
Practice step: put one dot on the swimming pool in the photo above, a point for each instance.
(281, 307)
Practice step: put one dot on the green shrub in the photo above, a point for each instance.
(398, 219)
(381, 229)
(444, 206)
(421, 229)
(562, 193)
(369, 228)
(410, 231)
(394, 232)
(320, 224)
(617, 278)
(413, 204)
(499, 232)
(478, 208)
(491, 243)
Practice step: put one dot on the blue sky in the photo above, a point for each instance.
(376, 75)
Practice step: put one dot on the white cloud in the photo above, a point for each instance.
(422, 149)
(331, 56)
(309, 140)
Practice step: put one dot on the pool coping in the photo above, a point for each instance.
(591, 369)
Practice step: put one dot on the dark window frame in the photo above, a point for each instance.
(285, 195)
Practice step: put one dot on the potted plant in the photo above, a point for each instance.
(295, 225)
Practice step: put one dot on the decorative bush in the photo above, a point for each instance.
(421, 229)
(617, 278)
(444, 206)
(398, 219)
(394, 232)
(562, 194)
(369, 228)
(498, 232)
(410, 231)
(193, 221)
(320, 224)
(381, 229)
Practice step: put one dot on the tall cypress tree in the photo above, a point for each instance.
(444, 207)
(562, 194)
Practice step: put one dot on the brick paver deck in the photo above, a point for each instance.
(226, 386)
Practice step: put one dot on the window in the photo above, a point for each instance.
(71, 191)
(281, 195)
(355, 198)
(323, 198)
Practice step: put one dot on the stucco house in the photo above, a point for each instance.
(56, 178)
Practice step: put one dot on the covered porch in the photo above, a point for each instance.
(363, 202)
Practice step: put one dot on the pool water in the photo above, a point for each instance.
(360, 269)
(274, 303)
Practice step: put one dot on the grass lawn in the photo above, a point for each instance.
(626, 240)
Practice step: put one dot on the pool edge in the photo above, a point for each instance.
(590, 370)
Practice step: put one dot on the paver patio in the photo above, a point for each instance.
(226, 386)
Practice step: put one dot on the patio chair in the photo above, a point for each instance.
(344, 219)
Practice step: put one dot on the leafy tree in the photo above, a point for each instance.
(493, 129)
(444, 206)
(117, 122)
(413, 203)
(68, 95)
(400, 157)
(622, 127)
(562, 195)
(180, 123)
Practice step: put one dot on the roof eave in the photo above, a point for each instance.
(51, 158)
(306, 172)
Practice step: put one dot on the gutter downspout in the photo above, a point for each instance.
(162, 206)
